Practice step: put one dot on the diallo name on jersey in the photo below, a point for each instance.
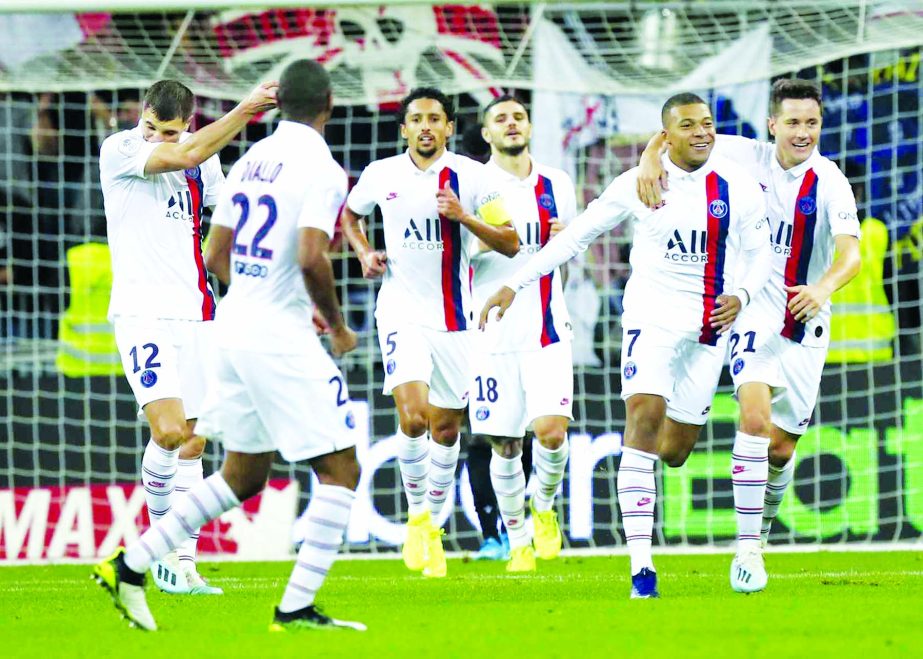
(264, 172)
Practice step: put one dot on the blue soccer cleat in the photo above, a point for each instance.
(492, 550)
(644, 585)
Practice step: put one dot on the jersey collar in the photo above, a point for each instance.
(797, 171)
(295, 130)
(676, 173)
(445, 160)
(531, 180)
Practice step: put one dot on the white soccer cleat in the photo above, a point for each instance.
(128, 598)
(169, 575)
(748, 572)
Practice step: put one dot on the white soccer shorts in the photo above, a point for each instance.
(510, 390)
(792, 371)
(297, 404)
(166, 359)
(443, 360)
(673, 365)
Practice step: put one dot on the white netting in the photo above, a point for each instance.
(65, 441)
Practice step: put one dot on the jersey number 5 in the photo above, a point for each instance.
(240, 199)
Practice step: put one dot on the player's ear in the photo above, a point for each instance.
(485, 134)
(450, 129)
(403, 130)
(771, 124)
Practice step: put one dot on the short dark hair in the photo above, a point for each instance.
(502, 99)
(795, 88)
(684, 98)
(430, 93)
(169, 100)
(304, 90)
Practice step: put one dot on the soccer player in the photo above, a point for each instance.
(779, 344)
(435, 204)
(524, 374)
(696, 261)
(156, 180)
(271, 233)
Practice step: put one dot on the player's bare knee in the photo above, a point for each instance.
(446, 435)
(756, 422)
(674, 456)
(781, 452)
(170, 434)
(413, 423)
(551, 435)
(506, 447)
(192, 448)
(340, 469)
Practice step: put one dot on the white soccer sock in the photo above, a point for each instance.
(637, 493)
(509, 484)
(188, 474)
(413, 458)
(549, 470)
(158, 474)
(327, 517)
(203, 503)
(442, 463)
(779, 480)
(749, 468)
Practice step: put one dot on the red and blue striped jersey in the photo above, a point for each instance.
(538, 316)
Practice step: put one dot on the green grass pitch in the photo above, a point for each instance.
(839, 605)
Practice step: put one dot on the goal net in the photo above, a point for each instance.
(595, 74)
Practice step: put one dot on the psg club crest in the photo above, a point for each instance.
(148, 379)
(482, 413)
(807, 205)
(350, 420)
(718, 208)
(738, 365)
(390, 366)
(192, 172)
(630, 370)
(546, 201)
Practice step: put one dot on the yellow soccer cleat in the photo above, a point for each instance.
(435, 554)
(419, 528)
(126, 589)
(522, 559)
(547, 533)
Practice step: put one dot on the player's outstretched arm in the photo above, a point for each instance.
(374, 262)
(218, 252)
(811, 298)
(502, 300)
(499, 236)
(313, 257)
(652, 177)
(204, 143)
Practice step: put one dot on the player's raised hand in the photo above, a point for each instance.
(502, 299)
(807, 302)
(652, 177)
(725, 313)
(556, 228)
(342, 340)
(374, 264)
(448, 204)
(262, 98)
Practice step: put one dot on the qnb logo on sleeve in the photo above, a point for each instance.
(179, 207)
(423, 235)
(782, 239)
(689, 248)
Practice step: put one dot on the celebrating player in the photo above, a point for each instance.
(271, 233)
(156, 179)
(524, 373)
(779, 344)
(695, 262)
(434, 204)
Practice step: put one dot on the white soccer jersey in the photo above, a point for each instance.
(683, 254)
(427, 282)
(538, 317)
(154, 224)
(808, 205)
(283, 183)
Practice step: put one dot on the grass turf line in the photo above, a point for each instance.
(816, 605)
